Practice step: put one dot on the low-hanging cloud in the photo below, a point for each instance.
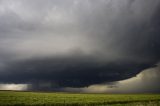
(146, 81)
(76, 43)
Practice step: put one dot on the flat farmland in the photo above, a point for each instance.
(13, 98)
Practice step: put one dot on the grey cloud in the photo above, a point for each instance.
(74, 71)
(53, 41)
(146, 81)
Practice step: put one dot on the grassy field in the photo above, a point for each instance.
(11, 98)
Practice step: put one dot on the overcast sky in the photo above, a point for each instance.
(77, 43)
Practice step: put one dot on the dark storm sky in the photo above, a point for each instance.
(77, 43)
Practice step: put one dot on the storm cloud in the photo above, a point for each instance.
(75, 43)
(146, 81)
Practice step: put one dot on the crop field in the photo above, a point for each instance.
(12, 98)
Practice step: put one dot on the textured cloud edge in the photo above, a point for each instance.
(75, 43)
(144, 82)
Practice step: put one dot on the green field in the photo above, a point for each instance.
(11, 98)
